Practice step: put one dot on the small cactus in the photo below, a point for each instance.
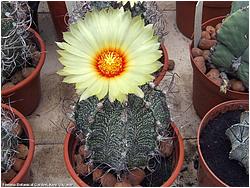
(231, 54)
(15, 48)
(239, 138)
(9, 139)
(149, 11)
(124, 136)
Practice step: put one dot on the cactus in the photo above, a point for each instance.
(124, 136)
(230, 54)
(15, 48)
(9, 139)
(239, 138)
(149, 11)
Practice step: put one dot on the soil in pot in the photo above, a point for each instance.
(215, 147)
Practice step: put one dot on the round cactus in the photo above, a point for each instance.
(124, 136)
(15, 49)
(231, 52)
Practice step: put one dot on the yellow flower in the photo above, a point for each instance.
(109, 53)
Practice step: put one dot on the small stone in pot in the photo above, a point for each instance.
(7, 85)
(22, 151)
(108, 180)
(196, 52)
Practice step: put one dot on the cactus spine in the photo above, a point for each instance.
(9, 139)
(15, 49)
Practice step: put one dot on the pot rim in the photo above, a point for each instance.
(170, 180)
(229, 92)
(203, 124)
(26, 125)
(35, 72)
(164, 70)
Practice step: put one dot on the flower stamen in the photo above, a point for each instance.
(110, 63)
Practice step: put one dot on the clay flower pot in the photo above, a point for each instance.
(25, 95)
(58, 11)
(71, 142)
(164, 68)
(206, 94)
(24, 174)
(206, 176)
(186, 9)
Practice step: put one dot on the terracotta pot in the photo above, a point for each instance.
(206, 94)
(25, 95)
(70, 143)
(24, 174)
(58, 13)
(164, 69)
(206, 177)
(186, 9)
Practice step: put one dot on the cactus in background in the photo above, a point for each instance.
(124, 136)
(15, 48)
(231, 54)
(239, 138)
(9, 139)
(149, 11)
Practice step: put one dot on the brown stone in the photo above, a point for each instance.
(171, 65)
(136, 176)
(22, 151)
(82, 169)
(27, 71)
(8, 176)
(166, 147)
(97, 175)
(123, 184)
(108, 180)
(7, 85)
(18, 163)
(17, 77)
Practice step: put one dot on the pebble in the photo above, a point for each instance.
(17, 77)
(108, 180)
(27, 71)
(171, 65)
(7, 85)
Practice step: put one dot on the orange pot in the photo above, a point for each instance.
(70, 146)
(206, 94)
(206, 177)
(23, 174)
(58, 11)
(25, 95)
(186, 9)
(164, 69)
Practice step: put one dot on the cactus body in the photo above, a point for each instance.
(231, 52)
(239, 138)
(123, 136)
(15, 50)
(9, 140)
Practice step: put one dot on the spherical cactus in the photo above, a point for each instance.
(15, 50)
(231, 52)
(239, 138)
(124, 136)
